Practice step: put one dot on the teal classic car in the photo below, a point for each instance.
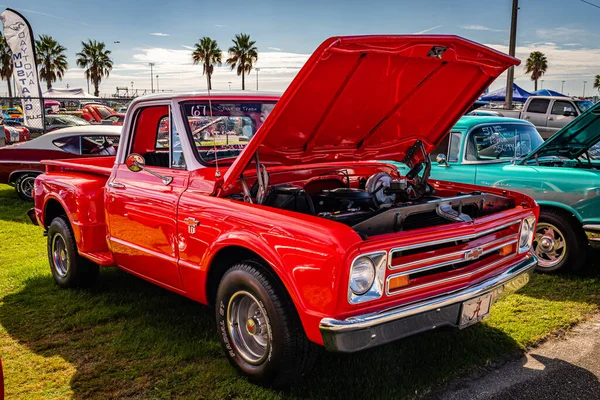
(561, 174)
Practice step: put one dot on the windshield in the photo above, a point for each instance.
(227, 132)
(498, 142)
(69, 120)
(583, 105)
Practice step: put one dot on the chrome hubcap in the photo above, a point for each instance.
(27, 186)
(549, 245)
(60, 257)
(248, 327)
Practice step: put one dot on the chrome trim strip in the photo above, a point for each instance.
(366, 321)
(591, 227)
(446, 280)
(459, 256)
(448, 240)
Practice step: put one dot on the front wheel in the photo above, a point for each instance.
(24, 186)
(558, 244)
(69, 269)
(259, 328)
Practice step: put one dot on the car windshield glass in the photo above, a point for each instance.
(69, 120)
(498, 142)
(227, 132)
(583, 105)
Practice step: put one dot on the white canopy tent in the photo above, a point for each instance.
(77, 93)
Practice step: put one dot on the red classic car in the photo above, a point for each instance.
(272, 210)
(15, 134)
(21, 162)
(95, 113)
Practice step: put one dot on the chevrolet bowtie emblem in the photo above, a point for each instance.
(473, 254)
(192, 223)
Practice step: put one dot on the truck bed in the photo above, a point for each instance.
(97, 165)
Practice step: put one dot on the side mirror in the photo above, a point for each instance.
(441, 159)
(136, 163)
(569, 113)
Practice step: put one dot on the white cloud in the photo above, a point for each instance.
(159, 34)
(185, 46)
(220, 26)
(572, 44)
(428, 29)
(274, 48)
(480, 28)
(559, 33)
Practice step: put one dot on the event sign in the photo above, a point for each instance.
(19, 37)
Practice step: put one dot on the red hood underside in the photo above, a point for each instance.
(372, 97)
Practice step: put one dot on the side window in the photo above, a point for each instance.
(68, 144)
(99, 145)
(560, 107)
(501, 142)
(177, 159)
(167, 139)
(441, 148)
(538, 106)
(453, 150)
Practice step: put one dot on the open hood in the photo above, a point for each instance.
(574, 139)
(371, 97)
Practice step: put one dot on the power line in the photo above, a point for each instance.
(591, 4)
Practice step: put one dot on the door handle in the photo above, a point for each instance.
(550, 119)
(116, 185)
(527, 117)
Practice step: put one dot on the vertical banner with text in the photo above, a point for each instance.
(19, 37)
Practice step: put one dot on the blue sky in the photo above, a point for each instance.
(286, 32)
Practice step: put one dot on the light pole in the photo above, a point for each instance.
(229, 85)
(151, 77)
(257, 69)
(542, 84)
(562, 87)
(584, 82)
(131, 88)
(510, 76)
(157, 89)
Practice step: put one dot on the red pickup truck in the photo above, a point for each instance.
(95, 113)
(271, 209)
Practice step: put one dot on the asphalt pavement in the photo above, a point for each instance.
(562, 368)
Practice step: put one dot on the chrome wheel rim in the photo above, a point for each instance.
(248, 326)
(60, 256)
(549, 245)
(26, 186)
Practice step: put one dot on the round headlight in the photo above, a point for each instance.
(362, 275)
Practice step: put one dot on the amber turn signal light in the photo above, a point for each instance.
(398, 282)
(506, 250)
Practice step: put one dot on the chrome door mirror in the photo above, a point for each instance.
(441, 160)
(136, 163)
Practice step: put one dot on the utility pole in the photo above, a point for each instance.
(542, 84)
(229, 85)
(562, 87)
(584, 82)
(257, 69)
(510, 78)
(157, 89)
(151, 77)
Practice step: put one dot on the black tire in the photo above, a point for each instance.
(288, 354)
(68, 268)
(24, 186)
(559, 226)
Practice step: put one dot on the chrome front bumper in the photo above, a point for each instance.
(593, 234)
(369, 330)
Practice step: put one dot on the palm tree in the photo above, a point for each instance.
(51, 59)
(536, 65)
(597, 82)
(243, 54)
(95, 58)
(6, 63)
(208, 53)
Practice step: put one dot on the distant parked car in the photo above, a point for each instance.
(95, 112)
(15, 133)
(115, 119)
(561, 174)
(20, 163)
(12, 114)
(59, 121)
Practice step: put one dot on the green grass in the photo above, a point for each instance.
(126, 338)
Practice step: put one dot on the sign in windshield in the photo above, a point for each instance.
(222, 130)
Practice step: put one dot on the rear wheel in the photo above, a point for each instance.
(259, 328)
(24, 186)
(69, 269)
(558, 244)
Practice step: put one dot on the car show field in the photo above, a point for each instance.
(127, 338)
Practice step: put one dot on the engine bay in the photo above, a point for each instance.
(372, 201)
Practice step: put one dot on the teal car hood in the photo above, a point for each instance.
(574, 139)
